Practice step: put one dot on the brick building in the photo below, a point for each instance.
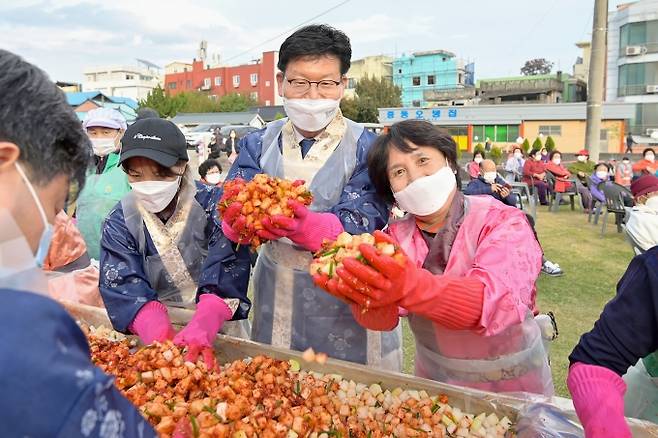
(257, 80)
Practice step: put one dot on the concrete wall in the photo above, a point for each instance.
(573, 134)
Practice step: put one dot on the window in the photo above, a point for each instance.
(218, 81)
(460, 79)
(641, 33)
(495, 133)
(129, 77)
(267, 83)
(552, 130)
(415, 81)
(253, 79)
(254, 95)
(188, 83)
(501, 134)
(236, 81)
(415, 103)
(171, 85)
(604, 135)
(399, 71)
(206, 83)
(351, 83)
(268, 103)
(431, 80)
(634, 78)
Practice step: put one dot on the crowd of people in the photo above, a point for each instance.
(150, 239)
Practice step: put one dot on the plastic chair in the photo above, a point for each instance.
(556, 197)
(614, 203)
(523, 191)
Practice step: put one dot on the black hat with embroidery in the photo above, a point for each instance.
(157, 139)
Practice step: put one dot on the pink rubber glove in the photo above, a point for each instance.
(307, 229)
(152, 323)
(598, 396)
(234, 223)
(199, 333)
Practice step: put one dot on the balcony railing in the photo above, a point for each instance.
(635, 90)
(644, 48)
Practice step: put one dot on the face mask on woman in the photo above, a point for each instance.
(538, 157)
(557, 161)
(213, 178)
(311, 114)
(581, 158)
(155, 195)
(518, 155)
(477, 160)
(650, 157)
(428, 194)
(602, 174)
(103, 146)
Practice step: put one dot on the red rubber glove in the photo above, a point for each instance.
(598, 396)
(199, 333)
(152, 323)
(234, 224)
(455, 302)
(307, 228)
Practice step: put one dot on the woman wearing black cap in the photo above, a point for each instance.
(161, 246)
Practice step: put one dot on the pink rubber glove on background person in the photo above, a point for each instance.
(199, 334)
(598, 396)
(152, 323)
(234, 223)
(307, 228)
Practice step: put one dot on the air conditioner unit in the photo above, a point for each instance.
(652, 88)
(205, 87)
(635, 50)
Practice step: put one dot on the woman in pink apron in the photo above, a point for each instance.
(469, 282)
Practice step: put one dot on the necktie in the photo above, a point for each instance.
(306, 145)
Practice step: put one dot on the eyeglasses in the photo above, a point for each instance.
(303, 85)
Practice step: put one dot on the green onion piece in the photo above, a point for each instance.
(195, 426)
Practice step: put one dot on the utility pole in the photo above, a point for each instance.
(595, 80)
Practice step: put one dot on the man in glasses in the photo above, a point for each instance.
(318, 145)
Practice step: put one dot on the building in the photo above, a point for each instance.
(581, 67)
(550, 88)
(257, 79)
(135, 82)
(82, 102)
(504, 124)
(378, 67)
(177, 67)
(423, 73)
(632, 64)
(69, 87)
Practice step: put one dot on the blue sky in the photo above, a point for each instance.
(63, 37)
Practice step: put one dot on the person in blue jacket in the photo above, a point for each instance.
(50, 388)
(315, 143)
(162, 246)
(490, 183)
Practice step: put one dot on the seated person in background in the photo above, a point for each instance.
(642, 224)
(562, 175)
(544, 155)
(647, 165)
(624, 172)
(582, 169)
(601, 175)
(210, 172)
(473, 167)
(489, 183)
(623, 342)
(534, 174)
(514, 166)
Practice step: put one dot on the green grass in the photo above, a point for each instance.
(592, 266)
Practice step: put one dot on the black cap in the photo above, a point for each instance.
(157, 139)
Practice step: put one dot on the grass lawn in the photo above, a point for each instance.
(592, 266)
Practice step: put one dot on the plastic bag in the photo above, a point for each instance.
(541, 420)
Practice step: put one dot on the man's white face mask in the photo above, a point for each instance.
(311, 114)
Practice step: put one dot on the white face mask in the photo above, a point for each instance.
(652, 203)
(602, 174)
(518, 155)
(213, 178)
(428, 194)
(47, 233)
(581, 158)
(103, 146)
(557, 161)
(489, 177)
(155, 195)
(650, 157)
(478, 160)
(538, 157)
(311, 114)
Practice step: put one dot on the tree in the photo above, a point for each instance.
(159, 100)
(550, 144)
(371, 94)
(525, 146)
(537, 144)
(538, 66)
(496, 154)
(279, 116)
(478, 148)
(234, 102)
